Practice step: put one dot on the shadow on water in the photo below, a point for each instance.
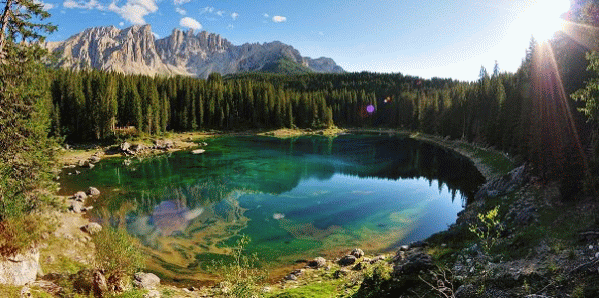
(296, 198)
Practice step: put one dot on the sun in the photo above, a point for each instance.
(542, 18)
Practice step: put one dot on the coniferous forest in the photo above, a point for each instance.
(502, 110)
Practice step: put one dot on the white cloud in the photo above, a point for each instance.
(320, 33)
(180, 2)
(265, 15)
(122, 24)
(234, 16)
(92, 4)
(180, 10)
(207, 9)
(220, 13)
(134, 11)
(279, 19)
(230, 26)
(45, 6)
(190, 23)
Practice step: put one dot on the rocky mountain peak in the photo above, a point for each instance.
(136, 50)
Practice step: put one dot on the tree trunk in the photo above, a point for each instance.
(3, 27)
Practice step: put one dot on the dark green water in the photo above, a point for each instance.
(295, 198)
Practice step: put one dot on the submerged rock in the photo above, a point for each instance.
(198, 151)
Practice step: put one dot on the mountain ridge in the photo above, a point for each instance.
(135, 50)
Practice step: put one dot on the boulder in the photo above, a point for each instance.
(99, 285)
(81, 163)
(20, 269)
(92, 191)
(138, 148)
(92, 228)
(146, 281)
(198, 151)
(356, 252)
(125, 147)
(318, 262)
(163, 144)
(412, 263)
(347, 260)
(76, 207)
(79, 196)
(90, 165)
(502, 185)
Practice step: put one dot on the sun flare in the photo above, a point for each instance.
(543, 18)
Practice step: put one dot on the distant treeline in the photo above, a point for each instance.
(501, 109)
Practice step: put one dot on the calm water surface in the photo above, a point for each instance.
(295, 198)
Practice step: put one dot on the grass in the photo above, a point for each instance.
(498, 163)
(325, 289)
(10, 291)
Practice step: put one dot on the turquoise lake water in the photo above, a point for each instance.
(294, 198)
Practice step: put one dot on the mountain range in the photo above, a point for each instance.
(135, 50)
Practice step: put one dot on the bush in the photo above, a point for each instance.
(241, 278)
(18, 234)
(118, 254)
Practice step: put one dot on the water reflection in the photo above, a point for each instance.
(294, 197)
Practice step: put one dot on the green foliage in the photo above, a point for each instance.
(240, 278)
(488, 229)
(118, 253)
(26, 154)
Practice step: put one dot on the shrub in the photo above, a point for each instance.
(240, 278)
(488, 229)
(18, 234)
(118, 254)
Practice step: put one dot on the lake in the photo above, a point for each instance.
(294, 198)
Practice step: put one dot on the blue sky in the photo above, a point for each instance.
(424, 38)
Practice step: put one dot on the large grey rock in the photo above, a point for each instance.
(80, 196)
(125, 146)
(356, 252)
(77, 207)
(99, 284)
(135, 50)
(318, 262)
(146, 281)
(92, 228)
(412, 263)
(20, 269)
(92, 191)
(347, 260)
(502, 185)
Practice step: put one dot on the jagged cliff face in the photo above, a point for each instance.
(135, 50)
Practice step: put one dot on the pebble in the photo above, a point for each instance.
(597, 255)
(590, 247)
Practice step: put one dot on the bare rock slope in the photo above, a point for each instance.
(135, 50)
